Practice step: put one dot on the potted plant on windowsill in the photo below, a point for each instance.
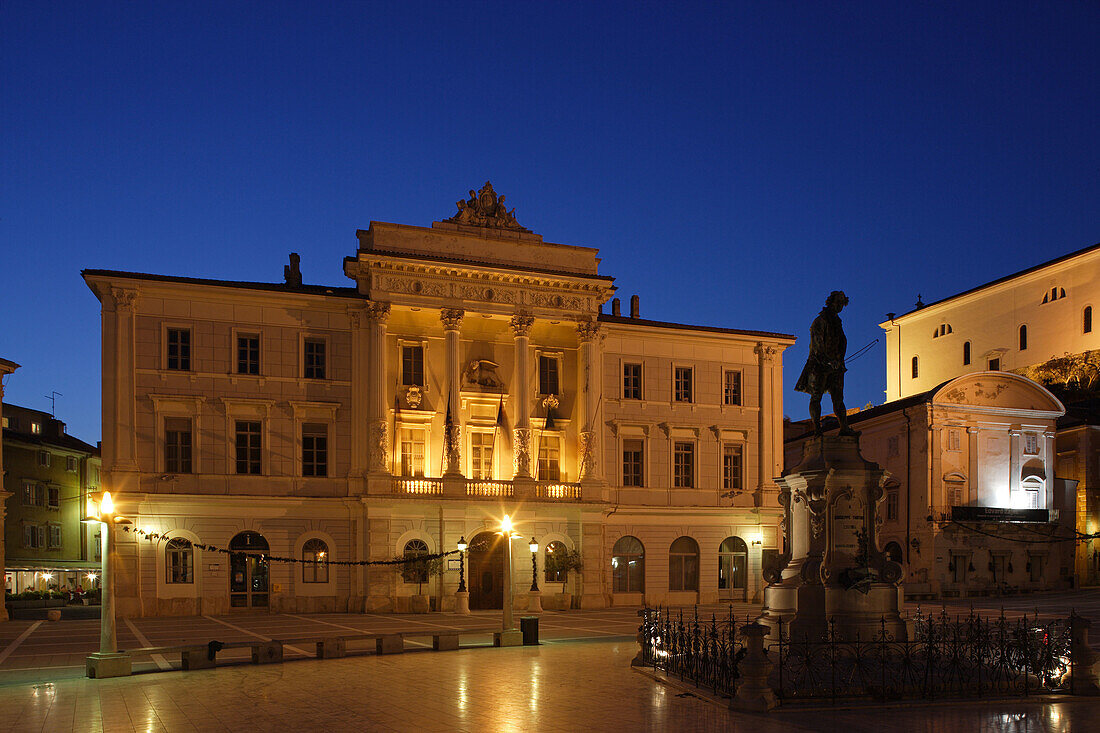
(558, 564)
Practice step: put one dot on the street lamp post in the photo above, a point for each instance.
(509, 635)
(107, 662)
(535, 606)
(462, 597)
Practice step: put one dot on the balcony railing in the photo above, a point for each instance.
(489, 488)
(419, 486)
(558, 491)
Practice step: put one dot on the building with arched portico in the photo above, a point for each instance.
(469, 371)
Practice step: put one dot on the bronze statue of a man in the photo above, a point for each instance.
(824, 370)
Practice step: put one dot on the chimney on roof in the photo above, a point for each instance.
(633, 306)
(292, 273)
(616, 310)
(55, 428)
(890, 316)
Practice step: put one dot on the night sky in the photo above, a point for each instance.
(734, 162)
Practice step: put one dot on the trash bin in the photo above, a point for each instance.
(529, 625)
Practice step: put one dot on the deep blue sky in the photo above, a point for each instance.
(734, 162)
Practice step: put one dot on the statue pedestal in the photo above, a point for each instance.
(833, 572)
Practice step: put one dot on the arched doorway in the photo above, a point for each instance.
(893, 552)
(733, 569)
(248, 574)
(486, 566)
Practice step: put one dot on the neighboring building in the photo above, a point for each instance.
(6, 367)
(971, 506)
(1008, 324)
(48, 476)
(1040, 323)
(468, 373)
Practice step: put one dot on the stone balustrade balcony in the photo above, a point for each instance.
(552, 491)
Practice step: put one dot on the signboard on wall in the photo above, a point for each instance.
(998, 514)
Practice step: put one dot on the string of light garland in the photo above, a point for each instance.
(274, 558)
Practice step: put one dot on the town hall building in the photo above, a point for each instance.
(468, 371)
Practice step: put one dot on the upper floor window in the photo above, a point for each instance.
(891, 506)
(53, 537)
(966, 354)
(994, 364)
(314, 358)
(1054, 294)
(1031, 444)
(731, 467)
(683, 464)
(549, 459)
(682, 384)
(412, 451)
(314, 449)
(548, 375)
(179, 561)
(632, 463)
(731, 387)
(314, 561)
(179, 349)
(248, 353)
(1086, 320)
(70, 464)
(481, 455)
(177, 445)
(53, 497)
(44, 458)
(954, 439)
(943, 330)
(632, 381)
(249, 447)
(916, 367)
(1023, 338)
(412, 365)
(36, 428)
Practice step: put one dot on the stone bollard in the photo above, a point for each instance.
(1082, 674)
(753, 693)
(54, 614)
(534, 602)
(462, 603)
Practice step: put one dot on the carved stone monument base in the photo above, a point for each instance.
(834, 571)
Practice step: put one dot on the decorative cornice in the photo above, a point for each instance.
(521, 325)
(451, 318)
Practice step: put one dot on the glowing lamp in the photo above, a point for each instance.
(534, 545)
(506, 525)
(462, 544)
(107, 505)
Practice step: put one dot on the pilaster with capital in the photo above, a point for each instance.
(118, 340)
(360, 366)
(591, 382)
(452, 438)
(377, 314)
(521, 435)
(769, 421)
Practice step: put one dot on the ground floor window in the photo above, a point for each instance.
(314, 567)
(683, 565)
(628, 566)
(179, 561)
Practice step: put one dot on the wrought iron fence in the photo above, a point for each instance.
(704, 653)
(945, 656)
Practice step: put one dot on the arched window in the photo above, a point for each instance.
(415, 572)
(916, 367)
(554, 572)
(683, 564)
(892, 552)
(1023, 338)
(314, 561)
(1086, 320)
(966, 354)
(733, 563)
(628, 566)
(179, 561)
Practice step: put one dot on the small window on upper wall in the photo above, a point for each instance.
(36, 428)
(731, 387)
(966, 354)
(943, 330)
(313, 358)
(682, 384)
(412, 365)
(179, 349)
(994, 365)
(916, 367)
(548, 375)
(1054, 294)
(632, 381)
(248, 353)
(1086, 320)
(1023, 338)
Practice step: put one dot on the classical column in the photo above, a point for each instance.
(591, 388)
(121, 428)
(972, 462)
(1014, 450)
(6, 368)
(521, 434)
(378, 432)
(766, 451)
(1049, 456)
(360, 366)
(452, 437)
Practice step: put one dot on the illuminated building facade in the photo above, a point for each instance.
(467, 371)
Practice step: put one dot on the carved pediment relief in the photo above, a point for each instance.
(1001, 390)
(486, 209)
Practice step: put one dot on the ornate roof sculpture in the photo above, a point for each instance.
(486, 209)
